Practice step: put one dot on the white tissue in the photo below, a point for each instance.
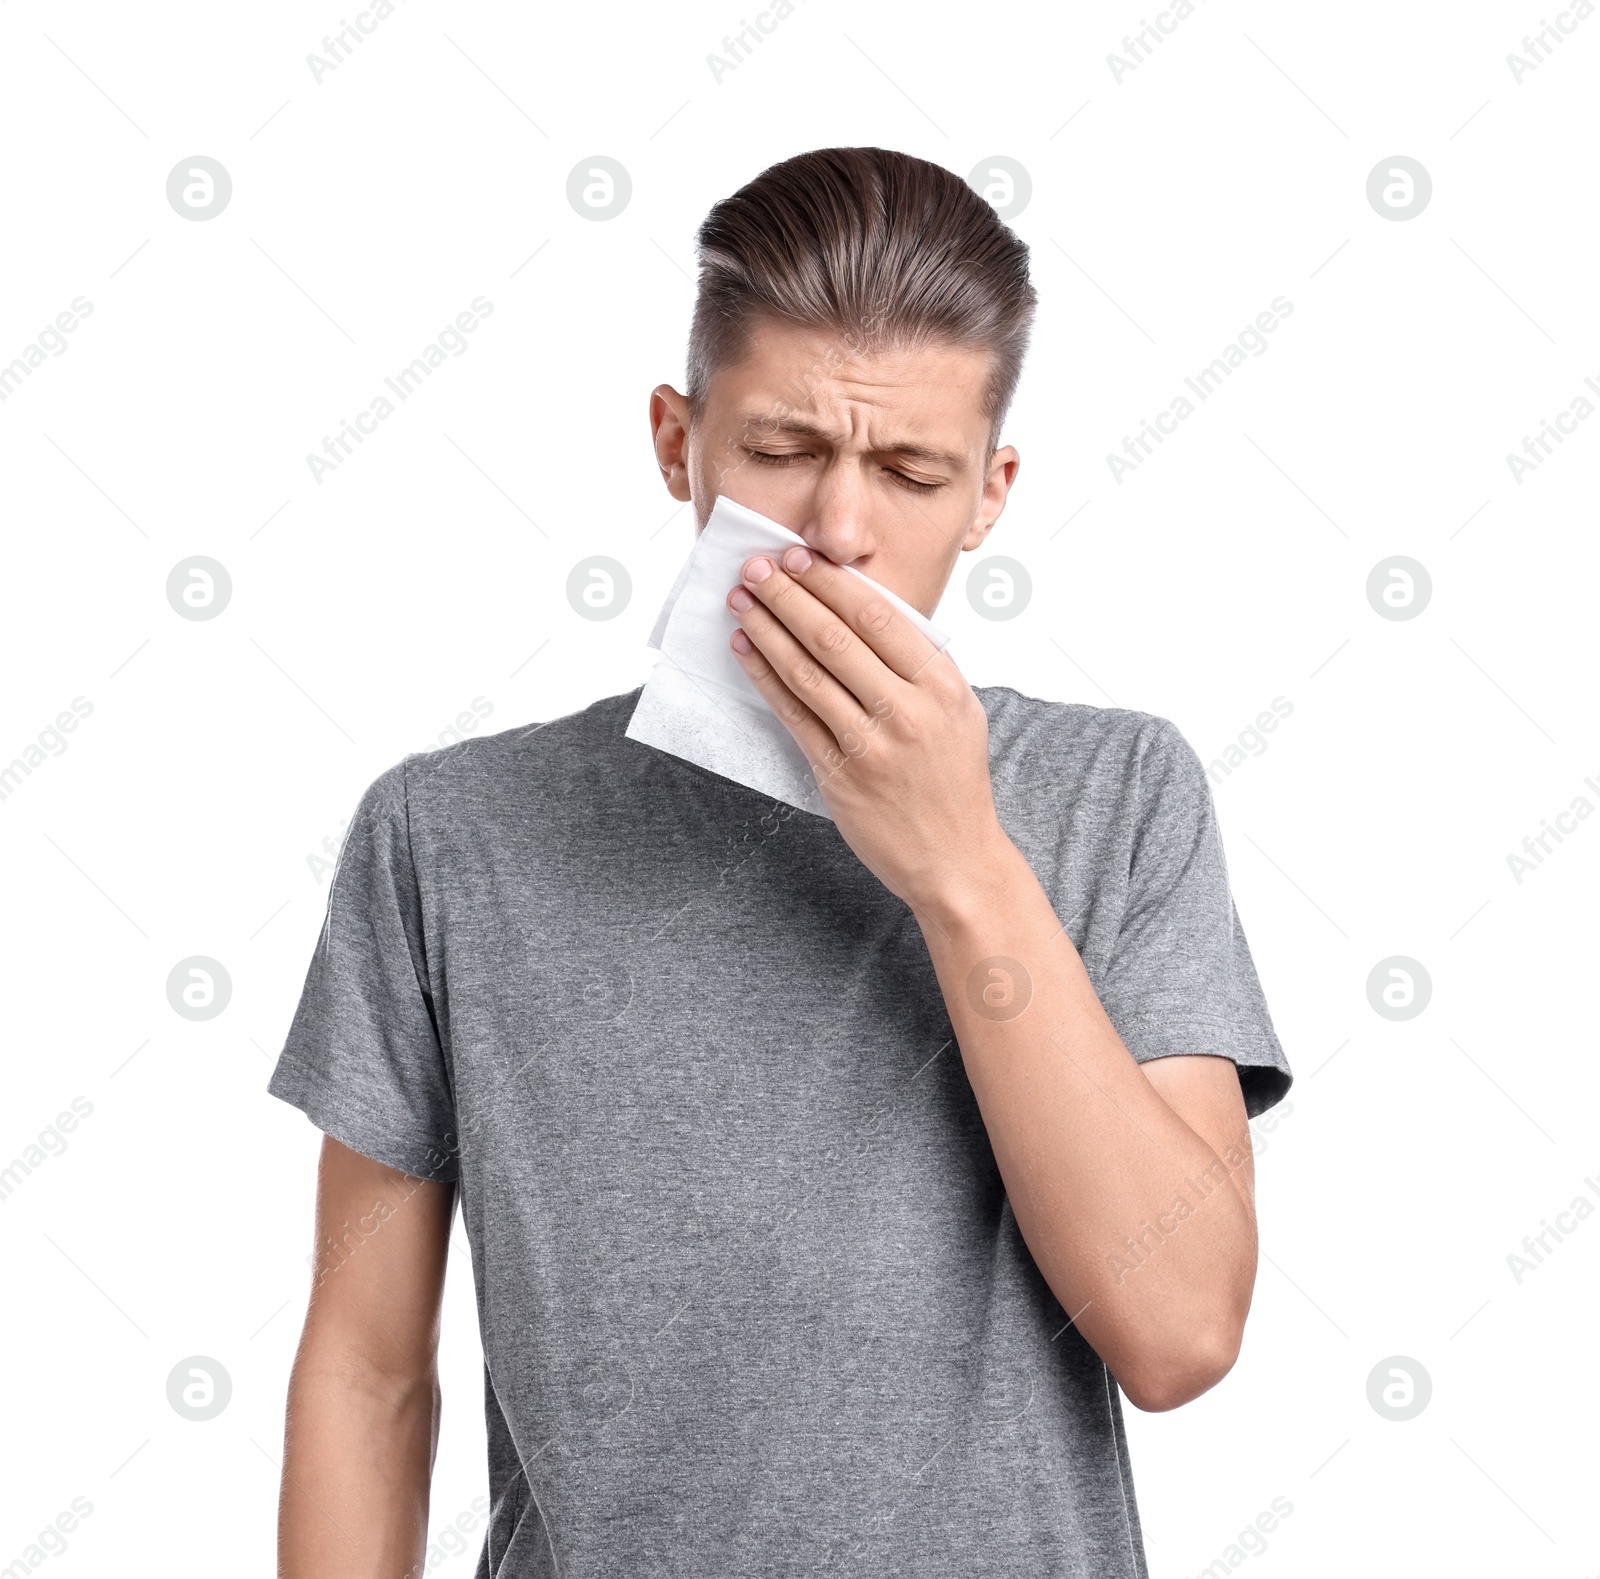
(697, 703)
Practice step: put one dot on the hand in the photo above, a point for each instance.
(897, 739)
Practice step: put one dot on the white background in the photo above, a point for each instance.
(371, 608)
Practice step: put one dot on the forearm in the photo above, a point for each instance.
(358, 1457)
(1091, 1156)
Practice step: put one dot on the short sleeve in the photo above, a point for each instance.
(1180, 978)
(363, 1059)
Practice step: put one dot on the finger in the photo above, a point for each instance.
(812, 685)
(811, 734)
(827, 755)
(844, 622)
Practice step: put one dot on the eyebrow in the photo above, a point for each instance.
(769, 426)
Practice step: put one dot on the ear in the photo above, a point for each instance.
(1002, 473)
(669, 432)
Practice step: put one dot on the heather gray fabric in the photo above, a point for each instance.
(752, 1299)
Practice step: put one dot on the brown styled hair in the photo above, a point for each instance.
(886, 250)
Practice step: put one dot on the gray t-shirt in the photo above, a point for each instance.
(752, 1299)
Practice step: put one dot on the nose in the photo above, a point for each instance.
(835, 520)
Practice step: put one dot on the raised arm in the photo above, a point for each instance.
(1130, 1182)
(363, 1416)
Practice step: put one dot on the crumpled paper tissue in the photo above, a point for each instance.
(698, 703)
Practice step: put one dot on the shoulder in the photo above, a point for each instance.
(529, 756)
(1113, 747)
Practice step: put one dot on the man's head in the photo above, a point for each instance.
(858, 335)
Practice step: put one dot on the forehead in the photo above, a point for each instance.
(798, 376)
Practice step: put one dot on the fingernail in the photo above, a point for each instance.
(758, 570)
(742, 643)
(741, 600)
(797, 560)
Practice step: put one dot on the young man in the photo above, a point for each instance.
(827, 1182)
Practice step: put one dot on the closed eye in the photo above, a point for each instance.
(911, 482)
(767, 458)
